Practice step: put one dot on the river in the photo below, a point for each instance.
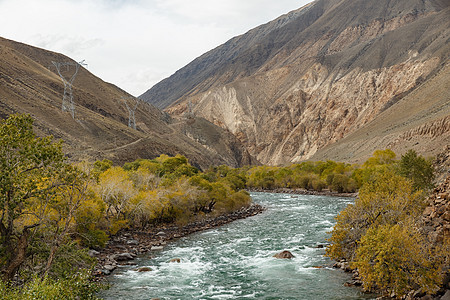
(235, 261)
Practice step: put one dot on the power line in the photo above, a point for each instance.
(131, 103)
(68, 104)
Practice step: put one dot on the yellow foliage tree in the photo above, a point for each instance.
(387, 200)
(396, 258)
(116, 190)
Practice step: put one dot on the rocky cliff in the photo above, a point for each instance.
(292, 87)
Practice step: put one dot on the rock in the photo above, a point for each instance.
(144, 269)
(93, 253)
(109, 267)
(132, 242)
(105, 272)
(161, 233)
(284, 255)
(175, 260)
(353, 283)
(446, 296)
(123, 256)
(155, 248)
(428, 210)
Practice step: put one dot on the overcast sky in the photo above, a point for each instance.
(134, 43)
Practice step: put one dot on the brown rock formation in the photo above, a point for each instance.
(284, 255)
(436, 216)
(292, 87)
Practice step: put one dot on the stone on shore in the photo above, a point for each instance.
(123, 256)
(284, 255)
(93, 253)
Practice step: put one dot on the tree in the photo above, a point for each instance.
(116, 189)
(388, 199)
(26, 164)
(71, 193)
(396, 258)
(418, 169)
(381, 157)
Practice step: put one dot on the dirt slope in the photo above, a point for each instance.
(29, 83)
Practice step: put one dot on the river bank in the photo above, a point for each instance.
(299, 191)
(126, 245)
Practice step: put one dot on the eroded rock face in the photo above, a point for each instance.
(318, 109)
(284, 255)
(311, 78)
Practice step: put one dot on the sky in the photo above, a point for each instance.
(134, 44)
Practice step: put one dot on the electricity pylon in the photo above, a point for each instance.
(189, 114)
(131, 103)
(68, 104)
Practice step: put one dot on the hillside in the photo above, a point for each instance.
(291, 87)
(29, 83)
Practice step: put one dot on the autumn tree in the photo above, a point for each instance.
(396, 258)
(388, 199)
(116, 189)
(26, 164)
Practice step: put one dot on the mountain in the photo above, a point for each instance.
(29, 83)
(333, 79)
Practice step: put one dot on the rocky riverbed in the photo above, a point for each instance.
(125, 246)
(299, 191)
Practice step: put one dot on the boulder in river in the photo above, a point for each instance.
(144, 269)
(284, 254)
(175, 260)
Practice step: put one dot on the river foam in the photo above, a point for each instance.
(236, 261)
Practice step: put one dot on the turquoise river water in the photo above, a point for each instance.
(236, 261)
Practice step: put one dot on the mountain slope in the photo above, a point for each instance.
(29, 83)
(309, 78)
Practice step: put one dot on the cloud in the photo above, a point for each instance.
(134, 43)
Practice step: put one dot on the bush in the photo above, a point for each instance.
(77, 286)
(339, 183)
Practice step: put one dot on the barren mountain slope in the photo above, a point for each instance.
(29, 83)
(309, 78)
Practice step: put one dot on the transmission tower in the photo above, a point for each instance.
(68, 104)
(189, 113)
(131, 103)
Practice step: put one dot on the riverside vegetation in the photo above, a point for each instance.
(52, 212)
